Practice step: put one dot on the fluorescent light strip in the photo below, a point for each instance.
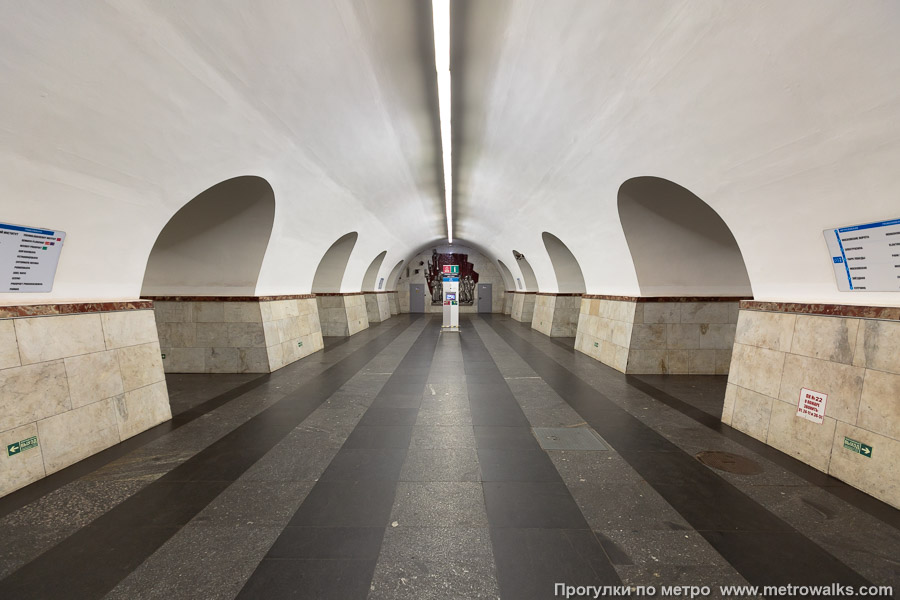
(441, 12)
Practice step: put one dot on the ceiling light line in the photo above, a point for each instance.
(441, 17)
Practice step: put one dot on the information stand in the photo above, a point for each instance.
(450, 297)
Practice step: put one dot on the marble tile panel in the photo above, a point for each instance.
(184, 360)
(683, 336)
(209, 312)
(731, 391)
(878, 346)
(276, 357)
(265, 311)
(211, 335)
(751, 412)
(703, 362)
(773, 331)
(140, 365)
(842, 383)
(20, 469)
(662, 312)
(129, 328)
(141, 409)
(828, 338)
(71, 436)
(879, 408)
(178, 335)
(242, 312)
(876, 474)
(678, 362)
(648, 336)
(639, 312)
(246, 335)
(313, 321)
(32, 392)
(723, 361)
(647, 361)
(757, 369)
(221, 360)
(807, 441)
(48, 338)
(9, 347)
(706, 312)
(173, 312)
(718, 336)
(253, 360)
(93, 377)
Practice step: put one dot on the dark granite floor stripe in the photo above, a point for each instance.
(314, 556)
(857, 498)
(97, 557)
(729, 520)
(32, 492)
(538, 534)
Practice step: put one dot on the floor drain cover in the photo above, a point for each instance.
(568, 438)
(728, 462)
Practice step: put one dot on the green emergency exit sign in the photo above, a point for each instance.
(858, 447)
(18, 447)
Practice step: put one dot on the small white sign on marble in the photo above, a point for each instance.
(812, 405)
(28, 257)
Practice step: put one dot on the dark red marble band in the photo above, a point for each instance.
(376, 292)
(338, 293)
(560, 294)
(229, 298)
(73, 308)
(524, 292)
(889, 313)
(666, 298)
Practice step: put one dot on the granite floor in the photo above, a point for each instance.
(403, 462)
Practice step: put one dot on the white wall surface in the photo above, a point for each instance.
(783, 116)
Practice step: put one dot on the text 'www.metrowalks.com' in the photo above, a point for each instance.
(834, 590)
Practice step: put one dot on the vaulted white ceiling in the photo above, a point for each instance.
(784, 117)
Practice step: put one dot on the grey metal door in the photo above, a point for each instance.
(417, 297)
(484, 297)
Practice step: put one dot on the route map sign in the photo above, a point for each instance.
(866, 258)
(28, 257)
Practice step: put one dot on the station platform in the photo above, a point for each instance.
(404, 462)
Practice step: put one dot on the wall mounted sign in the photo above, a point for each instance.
(519, 282)
(866, 258)
(858, 447)
(28, 258)
(812, 406)
(381, 283)
(19, 447)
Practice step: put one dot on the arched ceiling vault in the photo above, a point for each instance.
(783, 117)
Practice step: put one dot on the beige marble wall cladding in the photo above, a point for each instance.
(342, 316)
(508, 302)
(604, 330)
(556, 316)
(856, 362)
(79, 383)
(523, 307)
(236, 337)
(682, 337)
(658, 337)
(378, 307)
(292, 330)
(394, 302)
